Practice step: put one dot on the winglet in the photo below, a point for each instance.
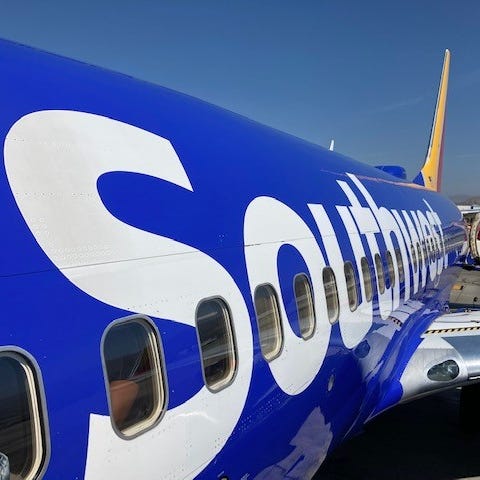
(430, 175)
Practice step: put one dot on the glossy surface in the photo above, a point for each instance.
(123, 198)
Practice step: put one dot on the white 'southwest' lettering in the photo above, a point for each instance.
(75, 230)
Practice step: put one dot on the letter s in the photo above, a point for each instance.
(53, 160)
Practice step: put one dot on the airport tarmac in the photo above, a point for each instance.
(420, 440)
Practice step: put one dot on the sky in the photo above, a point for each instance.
(365, 73)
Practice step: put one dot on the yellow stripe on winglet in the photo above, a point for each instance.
(432, 168)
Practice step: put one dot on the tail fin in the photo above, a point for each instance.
(430, 175)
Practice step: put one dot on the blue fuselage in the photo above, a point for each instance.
(284, 429)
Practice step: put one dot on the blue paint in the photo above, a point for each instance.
(230, 161)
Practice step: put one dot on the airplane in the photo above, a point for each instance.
(189, 294)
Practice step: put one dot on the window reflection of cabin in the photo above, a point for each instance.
(134, 375)
(269, 321)
(305, 308)
(217, 345)
(22, 430)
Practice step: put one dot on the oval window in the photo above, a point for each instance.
(217, 344)
(305, 310)
(22, 426)
(367, 279)
(134, 375)
(380, 274)
(268, 320)
(331, 294)
(351, 286)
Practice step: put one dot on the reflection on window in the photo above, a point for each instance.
(367, 279)
(216, 343)
(420, 255)
(21, 431)
(414, 258)
(438, 247)
(134, 375)
(305, 310)
(331, 294)
(425, 252)
(268, 319)
(390, 269)
(401, 271)
(351, 286)
(380, 274)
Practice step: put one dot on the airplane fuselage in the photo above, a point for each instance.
(121, 200)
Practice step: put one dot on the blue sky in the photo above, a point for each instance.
(362, 72)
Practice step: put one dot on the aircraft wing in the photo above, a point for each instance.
(448, 356)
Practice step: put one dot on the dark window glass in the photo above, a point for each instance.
(351, 281)
(305, 310)
(401, 271)
(134, 375)
(367, 279)
(21, 432)
(268, 319)
(216, 343)
(331, 294)
(391, 269)
(380, 274)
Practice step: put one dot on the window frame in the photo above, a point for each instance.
(426, 256)
(313, 325)
(37, 404)
(391, 269)
(279, 322)
(379, 268)
(225, 383)
(420, 257)
(334, 319)
(413, 254)
(349, 264)
(160, 377)
(401, 270)
(364, 261)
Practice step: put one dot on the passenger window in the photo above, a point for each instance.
(305, 310)
(351, 286)
(428, 246)
(401, 272)
(331, 293)
(217, 344)
(434, 248)
(268, 319)
(414, 258)
(134, 375)
(441, 251)
(22, 429)
(420, 255)
(380, 274)
(425, 251)
(367, 279)
(391, 269)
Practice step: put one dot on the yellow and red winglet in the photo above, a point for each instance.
(430, 175)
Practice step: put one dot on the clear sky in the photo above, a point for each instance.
(363, 72)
